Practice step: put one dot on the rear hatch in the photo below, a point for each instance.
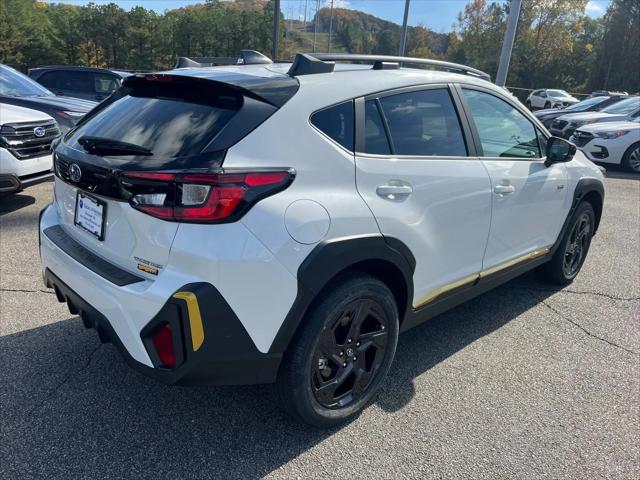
(155, 127)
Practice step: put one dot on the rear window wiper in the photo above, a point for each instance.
(108, 146)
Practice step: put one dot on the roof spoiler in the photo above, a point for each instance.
(310, 63)
(246, 57)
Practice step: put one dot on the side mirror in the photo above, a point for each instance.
(559, 151)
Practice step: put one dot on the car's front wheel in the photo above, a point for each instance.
(547, 105)
(631, 158)
(337, 362)
(568, 259)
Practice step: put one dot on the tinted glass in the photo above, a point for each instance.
(424, 123)
(49, 79)
(503, 130)
(169, 118)
(585, 104)
(105, 84)
(15, 84)
(337, 123)
(375, 137)
(624, 107)
(74, 81)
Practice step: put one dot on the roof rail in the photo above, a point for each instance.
(383, 62)
(246, 57)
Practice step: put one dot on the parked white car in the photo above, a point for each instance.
(622, 111)
(25, 146)
(208, 250)
(549, 98)
(615, 142)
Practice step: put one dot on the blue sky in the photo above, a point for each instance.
(438, 15)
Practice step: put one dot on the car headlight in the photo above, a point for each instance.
(74, 114)
(610, 135)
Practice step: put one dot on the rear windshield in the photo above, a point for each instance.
(583, 105)
(624, 106)
(169, 117)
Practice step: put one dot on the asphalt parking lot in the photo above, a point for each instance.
(526, 382)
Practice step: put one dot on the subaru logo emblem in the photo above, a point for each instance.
(75, 174)
(39, 131)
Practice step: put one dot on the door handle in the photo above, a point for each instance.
(504, 189)
(393, 192)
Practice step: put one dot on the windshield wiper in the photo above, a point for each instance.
(108, 146)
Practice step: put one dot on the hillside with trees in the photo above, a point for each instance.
(556, 44)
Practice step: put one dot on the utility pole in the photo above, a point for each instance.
(315, 28)
(276, 30)
(330, 26)
(507, 45)
(403, 39)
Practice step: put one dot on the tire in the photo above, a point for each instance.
(547, 105)
(631, 158)
(313, 386)
(568, 259)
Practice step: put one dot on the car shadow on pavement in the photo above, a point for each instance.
(71, 408)
(12, 202)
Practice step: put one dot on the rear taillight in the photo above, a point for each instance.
(202, 197)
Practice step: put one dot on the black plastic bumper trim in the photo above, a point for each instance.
(228, 356)
(106, 270)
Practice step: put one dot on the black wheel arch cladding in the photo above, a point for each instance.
(386, 258)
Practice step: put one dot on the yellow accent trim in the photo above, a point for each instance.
(438, 292)
(521, 259)
(195, 320)
(431, 296)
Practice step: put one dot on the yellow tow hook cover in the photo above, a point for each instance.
(195, 320)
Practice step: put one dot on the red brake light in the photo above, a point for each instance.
(163, 342)
(202, 197)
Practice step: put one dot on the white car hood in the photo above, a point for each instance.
(15, 114)
(610, 126)
(572, 117)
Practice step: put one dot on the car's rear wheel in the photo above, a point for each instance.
(568, 259)
(631, 158)
(337, 362)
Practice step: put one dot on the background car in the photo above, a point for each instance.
(606, 93)
(624, 110)
(549, 98)
(18, 89)
(547, 116)
(79, 82)
(613, 142)
(25, 147)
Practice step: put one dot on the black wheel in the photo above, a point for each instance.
(631, 158)
(572, 252)
(338, 360)
(547, 105)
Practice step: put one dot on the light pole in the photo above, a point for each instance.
(330, 26)
(276, 30)
(315, 27)
(507, 45)
(403, 39)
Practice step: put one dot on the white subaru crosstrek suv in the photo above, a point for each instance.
(25, 147)
(285, 222)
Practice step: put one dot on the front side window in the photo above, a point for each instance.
(503, 130)
(337, 123)
(424, 123)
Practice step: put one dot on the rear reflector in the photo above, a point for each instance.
(163, 342)
(203, 197)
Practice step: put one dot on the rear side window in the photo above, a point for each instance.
(337, 123)
(503, 130)
(375, 136)
(105, 84)
(170, 118)
(424, 123)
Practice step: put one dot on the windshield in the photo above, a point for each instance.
(15, 84)
(557, 93)
(585, 104)
(623, 106)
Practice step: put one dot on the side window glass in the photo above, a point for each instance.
(48, 80)
(503, 130)
(75, 81)
(337, 123)
(105, 84)
(375, 137)
(424, 123)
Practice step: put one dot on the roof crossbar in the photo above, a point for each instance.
(377, 60)
(246, 57)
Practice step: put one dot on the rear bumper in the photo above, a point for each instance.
(125, 316)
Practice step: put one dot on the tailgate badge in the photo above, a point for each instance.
(147, 266)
